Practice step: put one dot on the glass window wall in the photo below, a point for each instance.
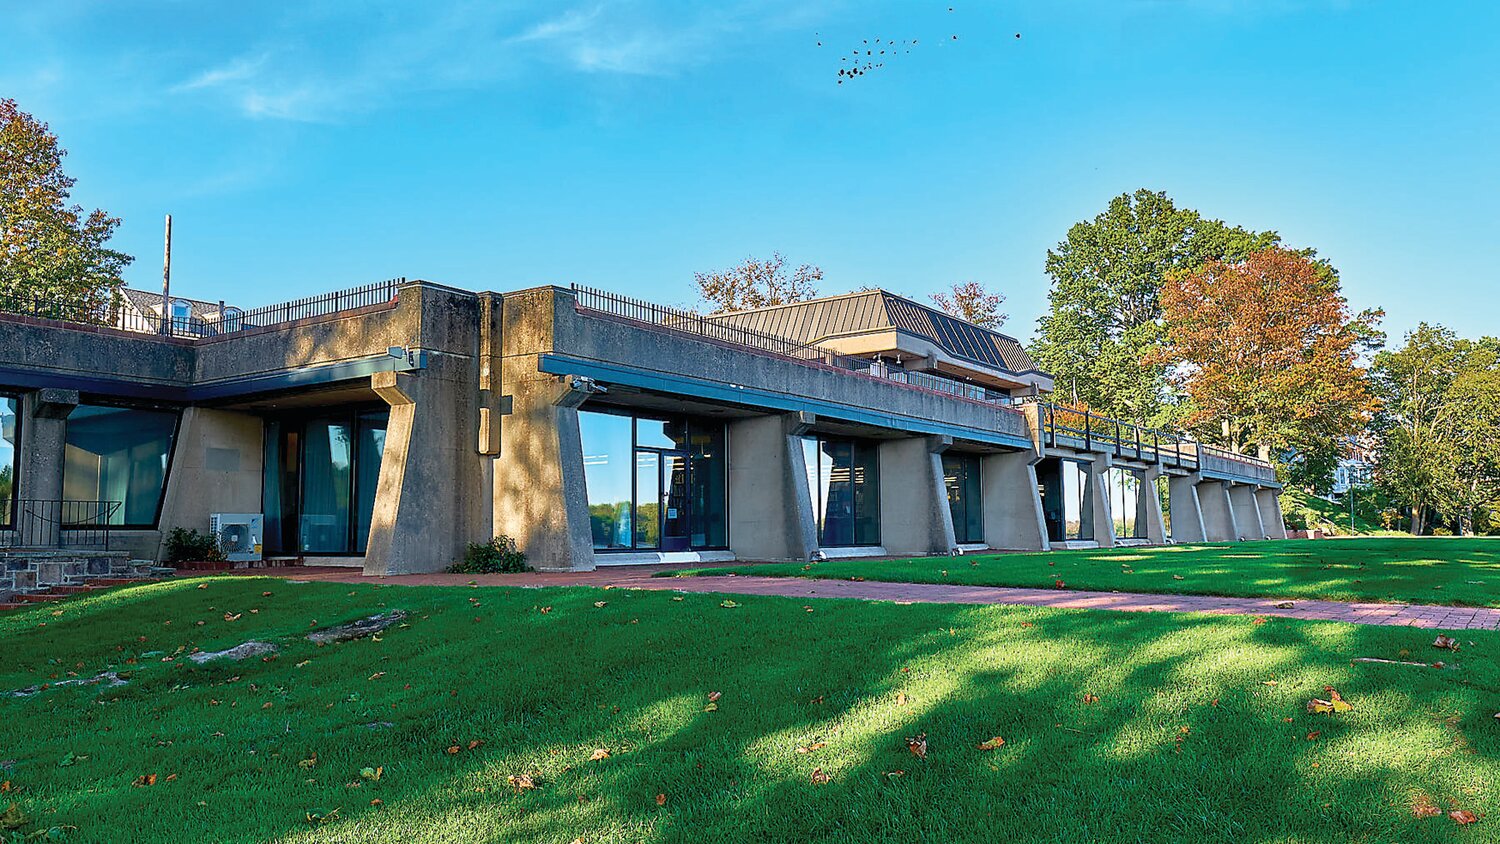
(119, 454)
(1124, 502)
(10, 466)
(654, 484)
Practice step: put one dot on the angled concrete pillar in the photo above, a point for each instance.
(1096, 500)
(44, 422)
(1187, 513)
(540, 498)
(429, 501)
(770, 505)
(1148, 508)
(1219, 524)
(1246, 511)
(1269, 500)
(914, 513)
(1013, 518)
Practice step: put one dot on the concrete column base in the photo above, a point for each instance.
(1013, 519)
(914, 513)
(1219, 522)
(1246, 512)
(1269, 500)
(770, 505)
(1096, 500)
(1187, 512)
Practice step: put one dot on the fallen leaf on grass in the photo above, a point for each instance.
(661, 799)
(818, 777)
(901, 698)
(600, 604)
(546, 610)
(1178, 577)
(232, 616)
(728, 604)
(1257, 620)
(372, 774)
(1463, 817)
(1334, 703)
(318, 817)
(13, 817)
(817, 745)
(376, 802)
(309, 763)
(520, 782)
(474, 744)
(1445, 642)
(1090, 698)
(917, 745)
(144, 781)
(1058, 584)
(993, 744)
(598, 754)
(713, 696)
(1423, 807)
(894, 774)
(171, 777)
(1313, 736)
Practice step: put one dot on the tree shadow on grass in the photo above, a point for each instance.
(543, 690)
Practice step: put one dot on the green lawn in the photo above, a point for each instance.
(1463, 572)
(1188, 739)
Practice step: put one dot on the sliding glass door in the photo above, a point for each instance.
(321, 476)
(843, 480)
(961, 478)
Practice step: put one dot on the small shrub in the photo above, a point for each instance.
(190, 546)
(1442, 531)
(498, 555)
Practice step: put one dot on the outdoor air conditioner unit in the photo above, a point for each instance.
(238, 534)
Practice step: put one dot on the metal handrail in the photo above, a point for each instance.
(700, 326)
(1126, 439)
(111, 311)
(58, 523)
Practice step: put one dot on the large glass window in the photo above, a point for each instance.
(654, 484)
(843, 479)
(1124, 502)
(327, 456)
(9, 465)
(1067, 499)
(961, 477)
(119, 454)
(608, 476)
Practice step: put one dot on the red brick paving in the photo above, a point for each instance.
(640, 577)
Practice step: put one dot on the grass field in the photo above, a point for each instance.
(1116, 726)
(1461, 572)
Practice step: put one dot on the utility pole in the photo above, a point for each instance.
(166, 281)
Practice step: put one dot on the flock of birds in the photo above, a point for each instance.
(872, 54)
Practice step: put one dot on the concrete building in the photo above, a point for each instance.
(388, 426)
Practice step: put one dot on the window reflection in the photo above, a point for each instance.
(844, 483)
(961, 478)
(9, 466)
(118, 454)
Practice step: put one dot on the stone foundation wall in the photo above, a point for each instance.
(36, 571)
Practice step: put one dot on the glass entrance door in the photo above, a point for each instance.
(674, 505)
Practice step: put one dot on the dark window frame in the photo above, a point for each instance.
(858, 447)
(339, 415)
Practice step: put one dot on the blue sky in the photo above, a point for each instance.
(489, 145)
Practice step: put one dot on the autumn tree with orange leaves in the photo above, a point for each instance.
(1268, 355)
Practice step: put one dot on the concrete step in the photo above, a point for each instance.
(38, 597)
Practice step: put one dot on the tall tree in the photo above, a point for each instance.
(757, 284)
(1267, 354)
(969, 300)
(50, 250)
(1105, 315)
(1440, 409)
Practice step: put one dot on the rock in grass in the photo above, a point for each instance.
(236, 653)
(357, 629)
(109, 678)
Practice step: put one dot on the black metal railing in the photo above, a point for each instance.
(58, 523)
(700, 326)
(1083, 429)
(114, 311)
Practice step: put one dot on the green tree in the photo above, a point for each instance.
(1440, 413)
(50, 250)
(1105, 317)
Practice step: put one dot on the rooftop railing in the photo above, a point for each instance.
(698, 325)
(116, 311)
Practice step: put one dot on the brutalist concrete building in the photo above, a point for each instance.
(388, 426)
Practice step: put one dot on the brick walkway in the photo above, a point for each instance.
(640, 577)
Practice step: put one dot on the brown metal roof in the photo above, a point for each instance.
(817, 320)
